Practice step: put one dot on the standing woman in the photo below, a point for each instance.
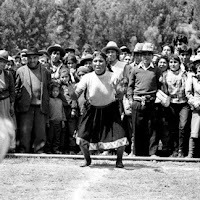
(193, 95)
(174, 85)
(7, 94)
(100, 127)
(162, 132)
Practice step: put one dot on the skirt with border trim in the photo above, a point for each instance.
(101, 128)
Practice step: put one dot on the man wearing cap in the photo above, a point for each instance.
(56, 53)
(32, 101)
(137, 58)
(142, 88)
(113, 52)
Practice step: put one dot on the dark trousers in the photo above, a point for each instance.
(53, 136)
(178, 117)
(143, 122)
(68, 141)
(32, 131)
(161, 128)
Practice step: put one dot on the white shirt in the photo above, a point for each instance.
(100, 89)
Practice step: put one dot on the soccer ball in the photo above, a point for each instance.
(7, 131)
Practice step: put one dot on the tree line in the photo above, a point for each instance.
(41, 23)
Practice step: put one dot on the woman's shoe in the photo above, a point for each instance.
(119, 164)
(86, 164)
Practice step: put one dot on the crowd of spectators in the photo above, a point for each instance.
(157, 95)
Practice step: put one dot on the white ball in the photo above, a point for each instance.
(6, 133)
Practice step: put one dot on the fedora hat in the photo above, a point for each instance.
(148, 47)
(56, 47)
(4, 55)
(111, 46)
(85, 58)
(138, 48)
(32, 51)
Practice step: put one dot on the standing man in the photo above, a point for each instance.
(142, 88)
(137, 52)
(32, 101)
(113, 52)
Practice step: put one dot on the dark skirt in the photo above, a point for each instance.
(101, 128)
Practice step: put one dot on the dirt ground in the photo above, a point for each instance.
(39, 178)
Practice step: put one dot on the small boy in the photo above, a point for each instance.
(56, 120)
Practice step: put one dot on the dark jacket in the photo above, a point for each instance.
(9, 90)
(68, 103)
(24, 91)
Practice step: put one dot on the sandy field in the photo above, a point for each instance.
(53, 178)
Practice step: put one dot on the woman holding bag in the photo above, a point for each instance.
(174, 86)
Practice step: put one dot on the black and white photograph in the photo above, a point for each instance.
(100, 99)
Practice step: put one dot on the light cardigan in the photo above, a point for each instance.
(100, 88)
(192, 87)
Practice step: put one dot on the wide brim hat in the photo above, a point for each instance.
(138, 48)
(148, 47)
(4, 55)
(56, 47)
(86, 58)
(111, 46)
(32, 51)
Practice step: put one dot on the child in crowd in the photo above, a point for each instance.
(86, 61)
(56, 120)
(71, 63)
(82, 101)
(71, 112)
(127, 119)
